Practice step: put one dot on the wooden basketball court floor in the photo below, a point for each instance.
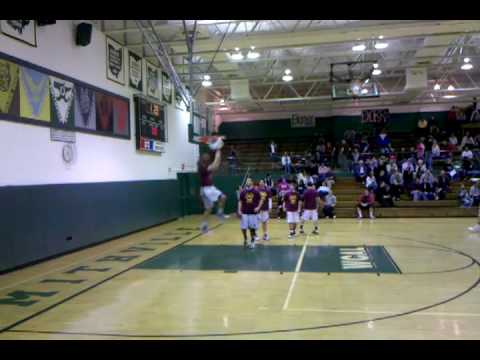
(368, 279)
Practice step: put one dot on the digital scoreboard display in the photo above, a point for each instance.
(151, 125)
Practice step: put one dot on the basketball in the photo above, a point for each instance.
(216, 144)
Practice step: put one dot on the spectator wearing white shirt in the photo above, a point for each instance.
(467, 156)
(467, 140)
(273, 150)
(286, 163)
(371, 182)
(475, 194)
(452, 143)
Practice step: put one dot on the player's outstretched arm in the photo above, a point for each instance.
(216, 162)
(239, 208)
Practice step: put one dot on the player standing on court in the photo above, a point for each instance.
(292, 206)
(266, 196)
(311, 203)
(248, 207)
(209, 193)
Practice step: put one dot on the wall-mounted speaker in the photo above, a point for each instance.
(46, 22)
(84, 34)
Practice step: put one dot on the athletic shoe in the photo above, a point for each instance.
(256, 238)
(315, 232)
(204, 228)
(372, 217)
(221, 216)
(475, 228)
(291, 236)
(302, 232)
(334, 216)
(251, 245)
(266, 237)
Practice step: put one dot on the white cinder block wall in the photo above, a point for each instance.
(28, 157)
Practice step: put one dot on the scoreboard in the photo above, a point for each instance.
(151, 125)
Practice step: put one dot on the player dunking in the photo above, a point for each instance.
(249, 205)
(209, 193)
(266, 196)
(311, 203)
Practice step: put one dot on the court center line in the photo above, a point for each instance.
(297, 270)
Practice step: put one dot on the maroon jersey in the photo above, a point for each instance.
(265, 195)
(291, 200)
(250, 198)
(283, 187)
(310, 199)
(206, 178)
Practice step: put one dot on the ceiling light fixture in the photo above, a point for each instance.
(206, 81)
(467, 66)
(380, 37)
(381, 45)
(253, 54)
(449, 96)
(376, 72)
(450, 88)
(375, 66)
(364, 91)
(360, 47)
(287, 76)
(467, 60)
(436, 86)
(236, 56)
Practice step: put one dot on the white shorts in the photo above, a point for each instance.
(293, 217)
(209, 194)
(310, 215)
(263, 216)
(249, 221)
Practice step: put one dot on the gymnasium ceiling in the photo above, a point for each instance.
(307, 48)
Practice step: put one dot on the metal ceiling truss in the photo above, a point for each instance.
(162, 56)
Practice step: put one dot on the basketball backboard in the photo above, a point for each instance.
(353, 80)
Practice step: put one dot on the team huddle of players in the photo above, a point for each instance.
(255, 203)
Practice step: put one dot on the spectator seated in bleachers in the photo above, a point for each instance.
(371, 182)
(360, 171)
(383, 143)
(467, 140)
(324, 172)
(384, 195)
(475, 193)
(420, 149)
(452, 143)
(443, 185)
(467, 159)
(324, 189)
(464, 198)
(366, 202)
(396, 184)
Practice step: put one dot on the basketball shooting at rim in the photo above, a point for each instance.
(209, 193)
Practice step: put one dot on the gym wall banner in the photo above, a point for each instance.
(31, 94)
(115, 63)
(302, 121)
(135, 71)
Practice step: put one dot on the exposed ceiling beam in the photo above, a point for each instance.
(273, 40)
